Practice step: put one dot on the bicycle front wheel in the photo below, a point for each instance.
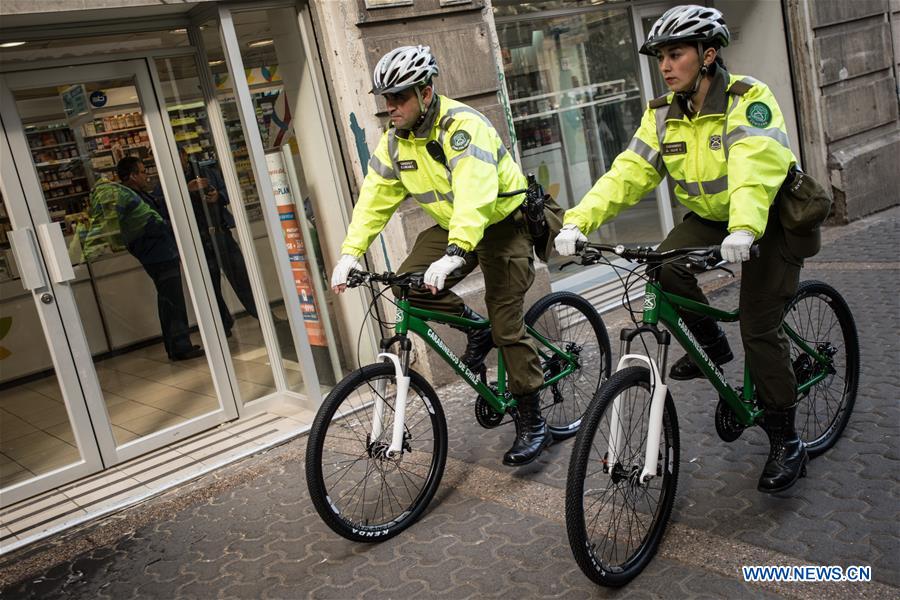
(614, 521)
(359, 491)
(821, 317)
(573, 325)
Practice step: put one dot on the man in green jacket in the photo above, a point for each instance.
(123, 214)
(451, 160)
(721, 140)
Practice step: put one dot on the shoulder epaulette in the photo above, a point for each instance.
(739, 88)
(660, 102)
(445, 122)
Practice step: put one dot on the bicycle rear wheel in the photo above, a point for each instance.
(573, 325)
(361, 493)
(614, 521)
(821, 317)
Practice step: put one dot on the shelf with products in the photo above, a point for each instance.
(117, 139)
(49, 136)
(52, 146)
(115, 123)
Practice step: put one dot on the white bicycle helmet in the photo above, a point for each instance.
(403, 68)
(687, 23)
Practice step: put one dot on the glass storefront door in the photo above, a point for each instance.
(100, 185)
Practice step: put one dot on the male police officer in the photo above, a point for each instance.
(450, 158)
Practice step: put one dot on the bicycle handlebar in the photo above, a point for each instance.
(703, 256)
(404, 280)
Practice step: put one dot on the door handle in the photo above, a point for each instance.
(28, 259)
(58, 262)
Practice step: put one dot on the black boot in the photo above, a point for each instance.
(787, 452)
(532, 435)
(478, 342)
(714, 343)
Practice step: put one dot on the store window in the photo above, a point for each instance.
(574, 92)
(216, 215)
(280, 79)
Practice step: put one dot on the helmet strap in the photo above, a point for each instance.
(688, 97)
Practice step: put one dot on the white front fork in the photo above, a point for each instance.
(399, 407)
(657, 404)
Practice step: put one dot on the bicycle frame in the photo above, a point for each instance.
(417, 320)
(661, 306)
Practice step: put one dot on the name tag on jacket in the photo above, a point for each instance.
(674, 148)
(408, 165)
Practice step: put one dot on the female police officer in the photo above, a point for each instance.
(721, 140)
(449, 158)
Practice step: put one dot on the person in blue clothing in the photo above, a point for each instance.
(209, 200)
(124, 214)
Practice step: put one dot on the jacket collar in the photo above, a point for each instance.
(716, 98)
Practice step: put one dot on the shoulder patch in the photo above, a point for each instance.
(759, 114)
(739, 88)
(460, 140)
(660, 102)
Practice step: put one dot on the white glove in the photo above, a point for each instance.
(566, 239)
(342, 270)
(736, 247)
(439, 269)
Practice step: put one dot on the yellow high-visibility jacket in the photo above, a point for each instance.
(461, 196)
(726, 164)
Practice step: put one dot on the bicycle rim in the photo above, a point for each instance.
(821, 317)
(614, 522)
(361, 492)
(573, 325)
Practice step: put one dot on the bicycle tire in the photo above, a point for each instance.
(604, 558)
(823, 412)
(573, 324)
(405, 485)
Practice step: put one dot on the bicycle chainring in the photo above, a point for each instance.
(485, 415)
(727, 425)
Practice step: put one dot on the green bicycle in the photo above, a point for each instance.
(623, 472)
(378, 445)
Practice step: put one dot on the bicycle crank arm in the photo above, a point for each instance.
(396, 446)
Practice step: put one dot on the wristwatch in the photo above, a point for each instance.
(454, 250)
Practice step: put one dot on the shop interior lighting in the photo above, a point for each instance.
(260, 43)
(214, 63)
(182, 30)
(12, 44)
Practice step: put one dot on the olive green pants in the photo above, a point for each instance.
(768, 282)
(505, 256)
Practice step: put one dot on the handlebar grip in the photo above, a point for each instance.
(717, 251)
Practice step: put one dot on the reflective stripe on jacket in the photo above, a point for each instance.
(726, 164)
(461, 196)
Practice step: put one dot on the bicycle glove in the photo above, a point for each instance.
(437, 273)
(736, 247)
(342, 270)
(566, 239)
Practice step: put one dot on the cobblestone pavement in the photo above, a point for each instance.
(249, 530)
